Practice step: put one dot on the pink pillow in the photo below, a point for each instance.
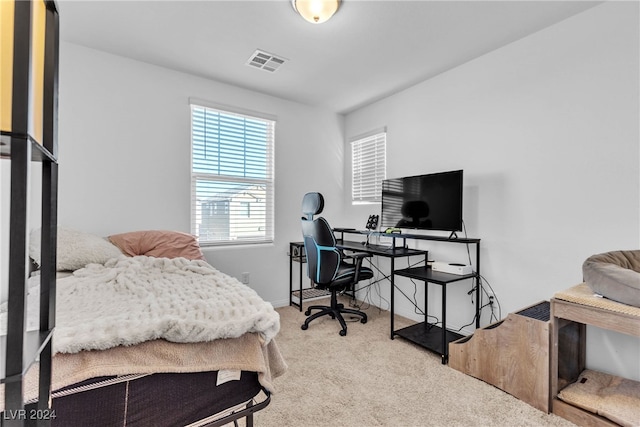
(159, 244)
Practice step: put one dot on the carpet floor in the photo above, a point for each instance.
(367, 379)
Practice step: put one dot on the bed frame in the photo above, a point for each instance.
(168, 399)
(190, 399)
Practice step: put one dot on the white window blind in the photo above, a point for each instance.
(369, 167)
(231, 177)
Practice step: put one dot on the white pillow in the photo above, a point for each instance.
(75, 249)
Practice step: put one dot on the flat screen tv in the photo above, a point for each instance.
(426, 202)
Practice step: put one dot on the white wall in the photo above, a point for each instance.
(547, 132)
(124, 132)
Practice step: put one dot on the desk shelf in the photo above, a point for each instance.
(298, 296)
(379, 250)
(428, 275)
(429, 336)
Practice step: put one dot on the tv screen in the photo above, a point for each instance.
(426, 202)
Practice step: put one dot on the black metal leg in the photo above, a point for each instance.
(426, 302)
(393, 291)
(478, 284)
(300, 249)
(292, 258)
(290, 274)
(445, 347)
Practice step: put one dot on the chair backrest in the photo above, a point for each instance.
(323, 258)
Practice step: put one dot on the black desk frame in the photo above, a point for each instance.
(427, 335)
(296, 253)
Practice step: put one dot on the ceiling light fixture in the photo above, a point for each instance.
(316, 11)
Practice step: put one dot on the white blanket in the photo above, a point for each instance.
(131, 300)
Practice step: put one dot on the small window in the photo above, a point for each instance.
(231, 177)
(369, 167)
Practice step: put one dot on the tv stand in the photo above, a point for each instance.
(424, 334)
(453, 235)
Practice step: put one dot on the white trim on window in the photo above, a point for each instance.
(368, 166)
(232, 182)
(232, 109)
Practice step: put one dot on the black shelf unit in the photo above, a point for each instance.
(20, 146)
(297, 255)
(430, 336)
(298, 296)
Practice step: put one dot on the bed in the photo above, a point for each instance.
(148, 333)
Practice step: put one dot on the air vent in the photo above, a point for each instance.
(265, 61)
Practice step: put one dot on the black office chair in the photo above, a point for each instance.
(326, 265)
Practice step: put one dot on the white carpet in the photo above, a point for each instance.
(366, 379)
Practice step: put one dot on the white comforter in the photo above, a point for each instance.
(131, 300)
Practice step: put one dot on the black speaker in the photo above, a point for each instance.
(372, 223)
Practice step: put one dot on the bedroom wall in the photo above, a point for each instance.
(542, 127)
(124, 137)
(547, 132)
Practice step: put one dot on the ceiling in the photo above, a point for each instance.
(367, 51)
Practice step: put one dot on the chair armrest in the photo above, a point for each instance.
(357, 258)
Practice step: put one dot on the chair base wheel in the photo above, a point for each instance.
(335, 311)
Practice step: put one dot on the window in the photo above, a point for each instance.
(231, 177)
(369, 167)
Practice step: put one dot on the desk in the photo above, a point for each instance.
(388, 252)
(429, 336)
(297, 255)
(424, 334)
